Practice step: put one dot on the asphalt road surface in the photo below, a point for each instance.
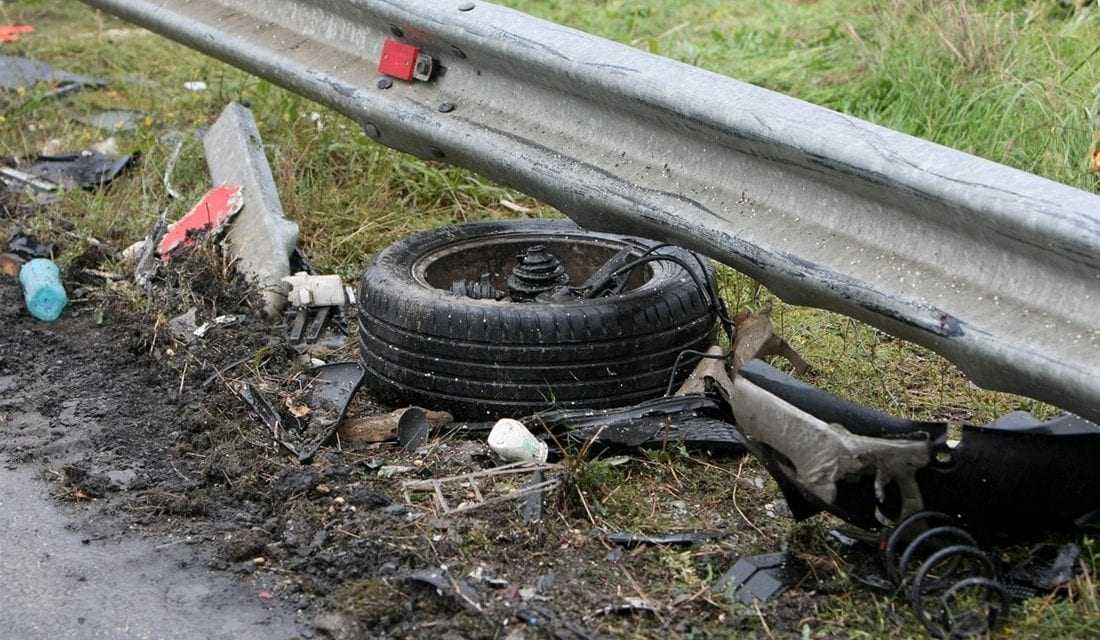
(53, 586)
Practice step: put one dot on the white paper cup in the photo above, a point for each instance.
(514, 443)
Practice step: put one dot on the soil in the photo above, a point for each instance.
(144, 431)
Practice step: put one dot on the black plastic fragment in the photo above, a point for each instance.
(331, 391)
(24, 73)
(266, 413)
(761, 578)
(1047, 567)
(445, 585)
(697, 420)
(684, 539)
(28, 247)
(88, 170)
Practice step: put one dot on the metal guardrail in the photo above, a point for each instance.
(997, 269)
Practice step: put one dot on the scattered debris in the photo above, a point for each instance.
(510, 440)
(761, 578)
(1048, 567)
(43, 291)
(685, 539)
(10, 264)
(184, 326)
(471, 492)
(391, 470)
(331, 390)
(23, 73)
(318, 291)
(10, 33)
(699, 421)
(196, 86)
(445, 585)
(211, 214)
(28, 247)
(386, 427)
(145, 258)
(85, 170)
(266, 413)
(13, 177)
(220, 321)
(628, 606)
(261, 238)
(113, 120)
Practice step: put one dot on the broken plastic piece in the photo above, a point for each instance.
(330, 393)
(27, 246)
(445, 585)
(261, 238)
(1047, 567)
(685, 539)
(316, 291)
(699, 421)
(510, 440)
(761, 578)
(209, 215)
(10, 33)
(86, 170)
(10, 175)
(24, 73)
(42, 289)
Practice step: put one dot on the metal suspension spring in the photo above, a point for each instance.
(952, 585)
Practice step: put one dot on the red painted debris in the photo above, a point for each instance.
(398, 60)
(10, 32)
(266, 595)
(211, 213)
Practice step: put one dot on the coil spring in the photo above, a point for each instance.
(955, 591)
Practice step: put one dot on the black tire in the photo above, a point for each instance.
(478, 359)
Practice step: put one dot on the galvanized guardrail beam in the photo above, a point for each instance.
(997, 269)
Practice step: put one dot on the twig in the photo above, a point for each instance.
(738, 508)
(763, 622)
(1080, 64)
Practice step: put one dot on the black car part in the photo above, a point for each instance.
(1014, 476)
(697, 420)
(425, 341)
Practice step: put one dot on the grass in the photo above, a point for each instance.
(1015, 81)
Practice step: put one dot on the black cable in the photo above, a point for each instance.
(710, 291)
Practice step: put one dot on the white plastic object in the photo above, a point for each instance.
(514, 443)
(316, 291)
